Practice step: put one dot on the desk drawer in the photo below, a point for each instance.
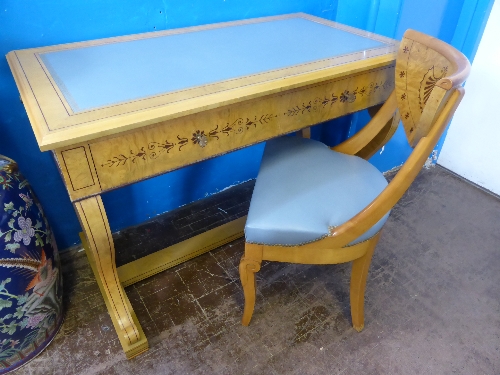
(103, 164)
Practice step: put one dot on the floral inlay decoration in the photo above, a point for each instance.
(240, 125)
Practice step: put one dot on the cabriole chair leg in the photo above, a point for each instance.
(248, 268)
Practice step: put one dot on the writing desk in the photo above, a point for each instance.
(119, 110)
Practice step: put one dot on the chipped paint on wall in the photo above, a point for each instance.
(432, 159)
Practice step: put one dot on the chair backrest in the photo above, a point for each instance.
(429, 74)
(426, 71)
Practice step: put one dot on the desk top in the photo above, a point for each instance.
(82, 91)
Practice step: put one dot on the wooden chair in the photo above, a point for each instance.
(312, 205)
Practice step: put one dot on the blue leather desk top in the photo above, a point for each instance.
(103, 75)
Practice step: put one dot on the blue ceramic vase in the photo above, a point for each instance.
(30, 272)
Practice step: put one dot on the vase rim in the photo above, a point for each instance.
(11, 166)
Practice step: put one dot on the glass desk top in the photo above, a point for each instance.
(107, 74)
(85, 90)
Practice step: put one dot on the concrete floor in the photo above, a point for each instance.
(432, 304)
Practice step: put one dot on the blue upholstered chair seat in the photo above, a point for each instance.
(296, 200)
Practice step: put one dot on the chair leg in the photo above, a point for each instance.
(359, 275)
(249, 265)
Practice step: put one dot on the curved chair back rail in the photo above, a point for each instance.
(345, 233)
(436, 102)
(428, 78)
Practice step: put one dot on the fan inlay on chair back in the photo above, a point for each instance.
(422, 64)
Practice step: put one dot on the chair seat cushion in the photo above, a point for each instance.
(304, 187)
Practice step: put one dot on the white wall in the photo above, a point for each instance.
(472, 146)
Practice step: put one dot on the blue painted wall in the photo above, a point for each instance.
(35, 23)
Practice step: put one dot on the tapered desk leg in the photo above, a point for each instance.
(101, 253)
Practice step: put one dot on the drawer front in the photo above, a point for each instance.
(96, 166)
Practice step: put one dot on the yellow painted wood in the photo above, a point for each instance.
(249, 265)
(313, 254)
(381, 138)
(361, 139)
(435, 103)
(171, 256)
(423, 63)
(78, 171)
(59, 126)
(113, 146)
(364, 220)
(359, 274)
(305, 133)
(126, 158)
(432, 108)
(101, 254)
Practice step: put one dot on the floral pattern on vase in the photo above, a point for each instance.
(30, 278)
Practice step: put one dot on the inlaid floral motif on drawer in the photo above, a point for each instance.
(199, 138)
